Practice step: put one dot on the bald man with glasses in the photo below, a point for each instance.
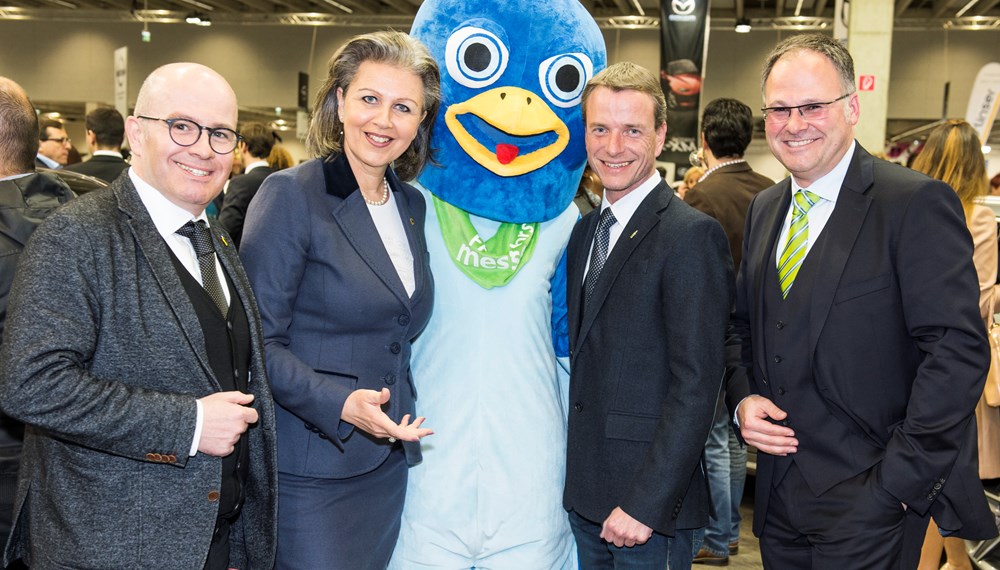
(133, 352)
(857, 308)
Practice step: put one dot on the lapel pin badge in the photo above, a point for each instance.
(633, 234)
(224, 242)
(412, 223)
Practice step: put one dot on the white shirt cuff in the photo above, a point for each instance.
(198, 424)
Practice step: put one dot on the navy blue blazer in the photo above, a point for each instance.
(335, 314)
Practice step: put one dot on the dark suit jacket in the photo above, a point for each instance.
(336, 316)
(105, 167)
(242, 189)
(898, 351)
(104, 357)
(646, 365)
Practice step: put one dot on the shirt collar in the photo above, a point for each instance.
(167, 216)
(16, 176)
(253, 165)
(629, 203)
(49, 162)
(106, 153)
(828, 185)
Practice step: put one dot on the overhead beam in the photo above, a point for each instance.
(901, 6)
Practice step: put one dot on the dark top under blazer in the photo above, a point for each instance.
(102, 166)
(336, 316)
(647, 364)
(241, 191)
(104, 356)
(898, 349)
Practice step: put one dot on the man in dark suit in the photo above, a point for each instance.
(649, 292)
(857, 305)
(258, 140)
(133, 352)
(724, 192)
(105, 133)
(26, 198)
(53, 145)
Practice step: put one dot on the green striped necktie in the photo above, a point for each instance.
(798, 236)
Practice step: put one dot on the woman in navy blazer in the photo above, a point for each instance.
(335, 252)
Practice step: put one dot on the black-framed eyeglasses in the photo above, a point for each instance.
(59, 140)
(808, 111)
(186, 132)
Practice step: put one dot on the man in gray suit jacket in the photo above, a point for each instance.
(133, 352)
(649, 291)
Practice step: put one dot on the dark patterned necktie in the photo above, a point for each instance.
(602, 238)
(201, 239)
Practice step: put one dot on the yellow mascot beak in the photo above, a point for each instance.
(524, 122)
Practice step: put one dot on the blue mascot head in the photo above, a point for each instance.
(509, 134)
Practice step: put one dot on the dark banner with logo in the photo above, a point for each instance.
(683, 30)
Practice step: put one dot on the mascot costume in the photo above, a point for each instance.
(510, 153)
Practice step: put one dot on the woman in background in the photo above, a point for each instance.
(954, 155)
(335, 251)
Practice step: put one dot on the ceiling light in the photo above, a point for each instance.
(742, 26)
(987, 149)
(198, 19)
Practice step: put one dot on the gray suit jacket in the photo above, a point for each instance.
(647, 364)
(104, 357)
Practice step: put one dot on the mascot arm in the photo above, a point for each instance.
(560, 331)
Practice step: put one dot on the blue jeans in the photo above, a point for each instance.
(715, 537)
(596, 554)
(737, 479)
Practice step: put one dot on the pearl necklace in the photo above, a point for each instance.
(718, 166)
(385, 195)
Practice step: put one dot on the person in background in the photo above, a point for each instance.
(105, 134)
(255, 148)
(132, 352)
(26, 198)
(280, 158)
(691, 177)
(724, 192)
(335, 251)
(995, 185)
(53, 145)
(953, 155)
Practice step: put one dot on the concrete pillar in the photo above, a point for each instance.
(869, 40)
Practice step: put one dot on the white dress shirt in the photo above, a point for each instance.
(168, 218)
(623, 209)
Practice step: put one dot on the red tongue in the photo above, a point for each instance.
(506, 153)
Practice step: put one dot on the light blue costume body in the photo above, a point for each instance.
(510, 146)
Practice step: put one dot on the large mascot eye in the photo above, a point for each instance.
(563, 77)
(475, 57)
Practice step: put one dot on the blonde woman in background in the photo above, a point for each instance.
(954, 155)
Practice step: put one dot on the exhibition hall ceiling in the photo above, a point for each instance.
(763, 14)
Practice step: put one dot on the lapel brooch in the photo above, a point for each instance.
(633, 234)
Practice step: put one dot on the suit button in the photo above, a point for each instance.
(937, 486)
(403, 320)
(309, 426)
(150, 457)
(229, 325)
(213, 496)
(578, 406)
(781, 391)
(777, 360)
(172, 458)
(390, 379)
(394, 348)
(780, 325)
(323, 436)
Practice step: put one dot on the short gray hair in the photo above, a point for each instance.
(823, 45)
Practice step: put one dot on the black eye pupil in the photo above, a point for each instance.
(477, 57)
(567, 78)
